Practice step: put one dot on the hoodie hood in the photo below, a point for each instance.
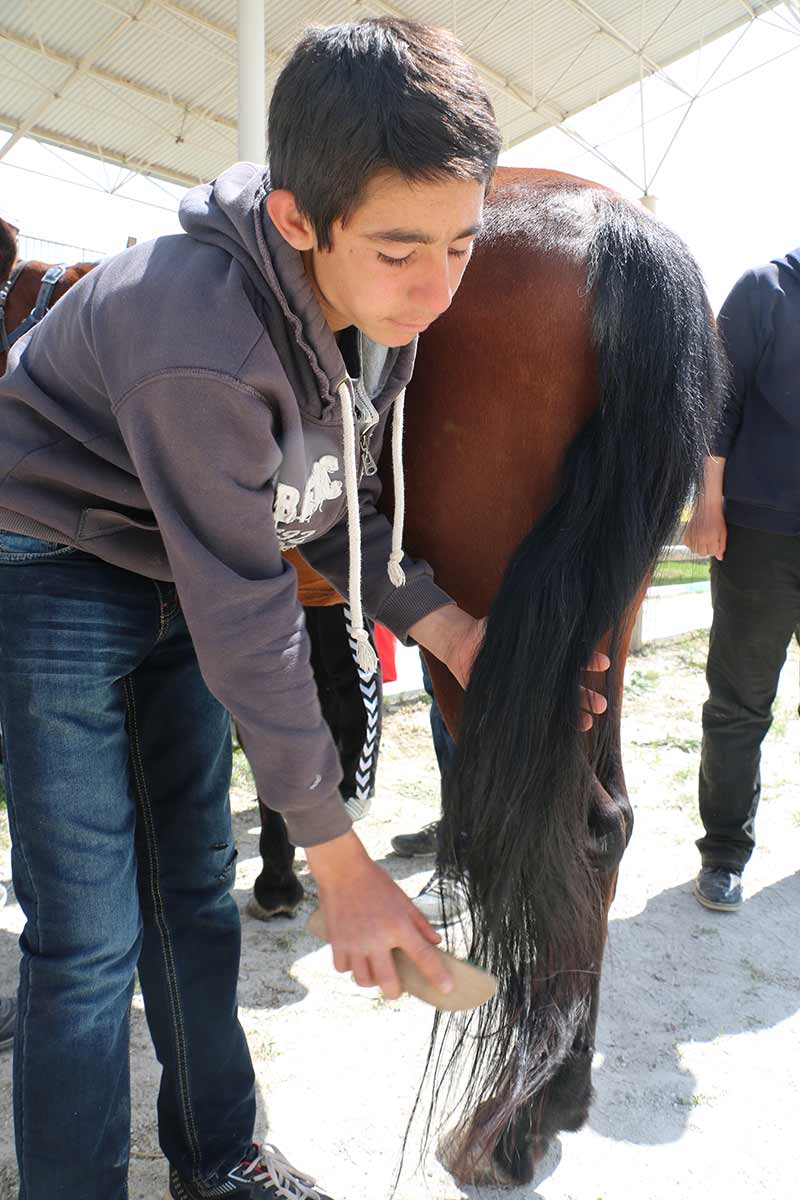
(792, 261)
(230, 213)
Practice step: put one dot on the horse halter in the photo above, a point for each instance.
(48, 285)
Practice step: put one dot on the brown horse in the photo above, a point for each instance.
(554, 427)
(555, 424)
(24, 293)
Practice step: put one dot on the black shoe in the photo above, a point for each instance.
(419, 844)
(263, 1175)
(719, 888)
(8, 1021)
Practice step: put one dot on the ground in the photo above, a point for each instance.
(697, 1070)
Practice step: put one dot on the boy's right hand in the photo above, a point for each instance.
(367, 916)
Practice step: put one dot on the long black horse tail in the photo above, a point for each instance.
(518, 805)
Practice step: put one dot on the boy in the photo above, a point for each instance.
(188, 410)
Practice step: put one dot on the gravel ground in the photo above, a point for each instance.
(697, 1071)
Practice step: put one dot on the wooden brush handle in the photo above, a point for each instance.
(472, 986)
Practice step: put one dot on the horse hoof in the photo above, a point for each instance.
(470, 1164)
(277, 905)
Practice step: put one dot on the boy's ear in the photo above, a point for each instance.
(293, 227)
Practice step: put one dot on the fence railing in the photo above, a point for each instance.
(46, 250)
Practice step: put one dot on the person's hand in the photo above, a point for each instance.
(464, 650)
(707, 534)
(367, 916)
(453, 636)
(592, 703)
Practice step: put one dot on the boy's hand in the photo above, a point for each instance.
(455, 638)
(367, 916)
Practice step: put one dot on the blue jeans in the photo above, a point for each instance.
(117, 773)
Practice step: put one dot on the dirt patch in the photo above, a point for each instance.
(697, 1071)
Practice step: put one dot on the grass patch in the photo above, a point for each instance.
(680, 572)
(641, 682)
(689, 745)
(242, 776)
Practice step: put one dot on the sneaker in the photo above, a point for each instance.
(419, 844)
(264, 1174)
(442, 900)
(8, 1021)
(719, 888)
(357, 807)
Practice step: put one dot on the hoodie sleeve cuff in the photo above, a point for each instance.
(406, 605)
(328, 819)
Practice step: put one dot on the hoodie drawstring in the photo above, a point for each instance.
(396, 572)
(367, 659)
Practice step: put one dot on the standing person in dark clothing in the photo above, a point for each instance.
(748, 520)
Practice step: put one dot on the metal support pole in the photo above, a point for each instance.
(252, 99)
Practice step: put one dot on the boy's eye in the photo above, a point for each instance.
(400, 262)
(393, 262)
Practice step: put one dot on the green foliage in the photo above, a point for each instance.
(681, 572)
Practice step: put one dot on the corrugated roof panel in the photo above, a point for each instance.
(70, 28)
(185, 49)
(193, 73)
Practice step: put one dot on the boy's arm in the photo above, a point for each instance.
(203, 448)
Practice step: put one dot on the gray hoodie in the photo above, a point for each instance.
(180, 413)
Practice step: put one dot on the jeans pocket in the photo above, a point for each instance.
(19, 547)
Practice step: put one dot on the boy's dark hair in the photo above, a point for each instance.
(373, 95)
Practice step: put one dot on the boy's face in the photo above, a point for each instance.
(395, 266)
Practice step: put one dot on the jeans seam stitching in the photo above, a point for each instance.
(11, 556)
(163, 618)
(166, 944)
(19, 1058)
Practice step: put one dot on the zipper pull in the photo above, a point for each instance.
(369, 464)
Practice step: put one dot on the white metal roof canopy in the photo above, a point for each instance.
(156, 85)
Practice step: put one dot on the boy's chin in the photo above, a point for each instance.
(391, 335)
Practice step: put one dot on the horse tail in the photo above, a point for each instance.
(8, 250)
(518, 803)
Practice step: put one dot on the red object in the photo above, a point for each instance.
(385, 645)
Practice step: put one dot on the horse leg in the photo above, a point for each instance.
(564, 1104)
(277, 891)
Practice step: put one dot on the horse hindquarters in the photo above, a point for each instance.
(519, 814)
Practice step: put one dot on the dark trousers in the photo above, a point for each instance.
(117, 775)
(351, 703)
(756, 595)
(443, 744)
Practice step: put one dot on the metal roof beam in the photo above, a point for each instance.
(611, 31)
(185, 14)
(117, 81)
(94, 150)
(79, 69)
